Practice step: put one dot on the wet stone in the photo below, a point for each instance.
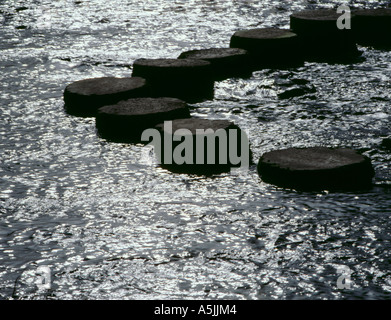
(225, 62)
(386, 143)
(187, 79)
(372, 27)
(126, 120)
(315, 22)
(316, 168)
(269, 47)
(84, 97)
(202, 146)
(321, 39)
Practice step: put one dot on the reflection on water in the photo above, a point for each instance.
(112, 226)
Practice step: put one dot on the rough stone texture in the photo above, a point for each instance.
(321, 21)
(213, 55)
(265, 34)
(84, 97)
(126, 120)
(372, 27)
(204, 168)
(321, 39)
(187, 79)
(269, 46)
(316, 168)
(378, 13)
(156, 69)
(225, 62)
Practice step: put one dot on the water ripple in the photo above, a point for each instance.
(111, 226)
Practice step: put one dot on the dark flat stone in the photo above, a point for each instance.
(374, 13)
(187, 79)
(372, 27)
(265, 33)
(171, 68)
(126, 120)
(321, 39)
(386, 143)
(316, 168)
(320, 21)
(378, 13)
(213, 55)
(84, 97)
(269, 46)
(205, 168)
(317, 15)
(225, 62)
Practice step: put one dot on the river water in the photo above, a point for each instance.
(109, 225)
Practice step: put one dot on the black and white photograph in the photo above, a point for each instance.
(193, 155)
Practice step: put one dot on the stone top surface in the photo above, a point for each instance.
(316, 158)
(171, 63)
(317, 15)
(143, 106)
(105, 85)
(193, 124)
(380, 12)
(213, 53)
(265, 33)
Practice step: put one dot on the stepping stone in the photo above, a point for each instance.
(195, 150)
(315, 22)
(316, 168)
(84, 97)
(187, 79)
(321, 39)
(386, 143)
(372, 27)
(269, 46)
(226, 62)
(126, 120)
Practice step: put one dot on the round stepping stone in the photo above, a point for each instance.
(84, 97)
(126, 120)
(315, 22)
(386, 143)
(195, 150)
(269, 46)
(187, 79)
(321, 39)
(316, 168)
(372, 26)
(225, 62)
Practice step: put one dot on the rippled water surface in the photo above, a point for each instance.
(111, 226)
